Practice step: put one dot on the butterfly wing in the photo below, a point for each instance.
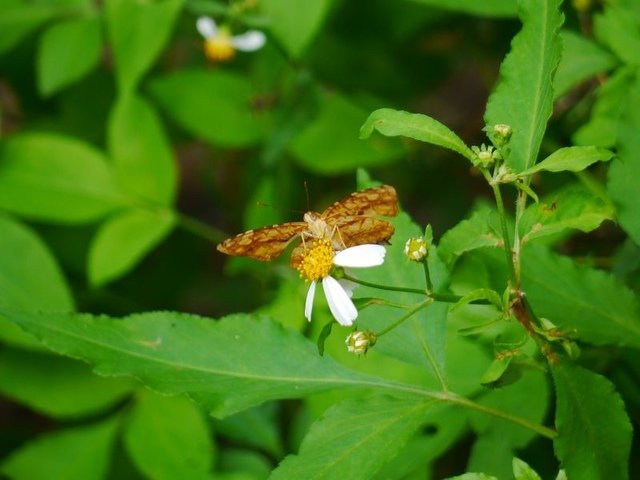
(381, 200)
(264, 243)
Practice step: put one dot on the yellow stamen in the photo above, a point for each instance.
(317, 260)
(219, 48)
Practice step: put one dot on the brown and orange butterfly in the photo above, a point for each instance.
(348, 222)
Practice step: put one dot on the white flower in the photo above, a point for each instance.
(220, 45)
(317, 265)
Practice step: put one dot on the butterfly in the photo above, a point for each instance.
(348, 222)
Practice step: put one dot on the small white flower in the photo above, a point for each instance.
(220, 45)
(337, 292)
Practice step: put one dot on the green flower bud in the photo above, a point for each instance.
(485, 156)
(358, 342)
(416, 249)
(501, 134)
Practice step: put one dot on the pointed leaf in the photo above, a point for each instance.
(594, 432)
(75, 453)
(141, 152)
(122, 241)
(68, 51)
(572, 159)
(55, 178)
(523, 98)
(480, 230)
(138, 32)
(522, 471)
(168, 437)
(420, 127)
(354, 439)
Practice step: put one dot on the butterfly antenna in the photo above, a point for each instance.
(306, 191)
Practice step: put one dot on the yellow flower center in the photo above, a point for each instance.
(317, 260)
(219, 48)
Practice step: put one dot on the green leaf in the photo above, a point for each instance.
(523, 98)
(57, 386)
(480, 230)
(228, 365)
(55, 178)
(522, 471)
(479, 294)
(494, 8)
(594, 432)
(417, 126)
(491, 454)
(593, 305)
(495, 372)
(572, 159)
(295, 23)
(581, 60)
(138, 32)
(576, 209)
(613, 96)
(68, 51)
(339, 119)
(19, 19)
(617, 28)
(77, 453)
(123, 240)
(168, 437)
(212, 105)
(141, 152)
(473, 476)
(625, 170)
(354, 439)
(30, 279)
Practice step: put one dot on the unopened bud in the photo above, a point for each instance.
(501, 134)
(358, 342)
(416, 249)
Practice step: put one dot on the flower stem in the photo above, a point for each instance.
(427, 275)
(407, 315)
(505, 232)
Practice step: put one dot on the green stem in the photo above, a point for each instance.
(505, 231)
(385, 287)
(200, 229)
(521, 204)
(407, 315)
(427, 275)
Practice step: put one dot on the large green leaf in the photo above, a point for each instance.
(625, 170)
(591, 304)
(617, 28)
(494, 8)
(168, 438)
(295, 23)
(228, 365)
(138, 32)
(570, 208)
(77, 453)
(594, 432)
(581, 60)
(572, 159)
(523, 98)
(142, 156)
(57, 386)
(19, 19)
(123, 240)
(212, 105)
(354, 439)
(417, 126)
(339, 119)
(56, 178)
(30, 279)
(67, 52)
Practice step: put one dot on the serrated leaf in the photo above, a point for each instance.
(495, 8)
(75, 453)
(295, 23)
(138, 32)
(227, 366)
(354, 439)
(57, 386)
(594, 432)
(618, 29)
(476, 232)
(581, 60)
(572, 159)
(420, 127)
(522, 471)
(141, 152)
(339, 120)
(625, 170)
(575, 209)
(212, 105)
(168, 437)
(123, 240)
(67, 52)
(588, 303)
(56, 178)
(523, 97)
(30, 279)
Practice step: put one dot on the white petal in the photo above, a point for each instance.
(206, 27)
(360, 256)
(308, 304)
(250, 41)
(348, 286)
(341, 306)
